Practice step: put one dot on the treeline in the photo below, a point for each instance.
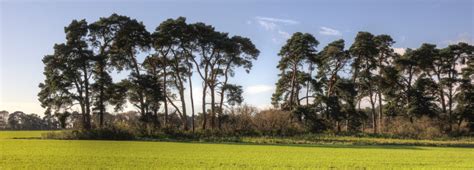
(19, 120)
(78, 74)
(369, 84)
(365, 87)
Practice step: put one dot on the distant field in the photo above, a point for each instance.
(47, 154)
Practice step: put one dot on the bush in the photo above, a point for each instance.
(276, 122)
(239, 121)
(421, 128)
(318, 125)
(109, 133)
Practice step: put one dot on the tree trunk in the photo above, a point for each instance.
(380, 111)
(87, 118)
(450, 107)
(410, 77)
(372, 102)
(192, 100)
(450, 99)
(102, 107)
(440, 91)
(307, 83)
(102, 65)
(183, 102)
(204, 89)
(140, 93)
(221, 103)
(443, 102)
(183, 106)
(213, 113)
(374, 114)
(297, 93)
(165, 94)
(380, 94)
(83, 111)
(293, 82)
(101, 95)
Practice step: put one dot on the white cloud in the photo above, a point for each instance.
(257, 89)
(274, 26)
(277, 20)
(400, 51)
(329, 31)
(269, 26)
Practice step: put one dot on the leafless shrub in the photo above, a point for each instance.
(276, 122)
(420, 128)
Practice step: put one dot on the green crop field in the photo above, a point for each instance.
(48, 154)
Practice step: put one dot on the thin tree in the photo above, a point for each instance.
(364, 51)
(297, 50)
(385, 55)
(331, 61)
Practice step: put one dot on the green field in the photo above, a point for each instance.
(47, 154)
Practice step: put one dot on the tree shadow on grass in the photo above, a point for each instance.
(322, 144)
(348, 146)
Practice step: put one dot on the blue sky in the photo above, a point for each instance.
(29, 29)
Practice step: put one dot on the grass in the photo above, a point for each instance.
(351, 140)
(86, 154)
(21, 134)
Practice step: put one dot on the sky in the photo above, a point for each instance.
(29, 29)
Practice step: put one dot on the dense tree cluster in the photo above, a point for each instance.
(357, 88)
(79, 73)
(21, 121)
(428, 81)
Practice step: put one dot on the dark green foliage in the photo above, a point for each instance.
(107, 133)
(363, 87)
(68, 73)
(423, 99)
(300, 48)
(310, 118)
(22, 121)
(62, 118)
(233, 94)
(80, 70)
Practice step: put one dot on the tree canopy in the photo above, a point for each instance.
(339, 87)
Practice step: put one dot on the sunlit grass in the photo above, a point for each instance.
(47, 154)
(328, 139)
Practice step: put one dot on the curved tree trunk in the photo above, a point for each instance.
(140, 93)
(293, 82)
(307, 83)
(183, 102)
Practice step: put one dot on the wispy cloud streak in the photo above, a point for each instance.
(329, 31)
(274, 26)
(277, 20)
